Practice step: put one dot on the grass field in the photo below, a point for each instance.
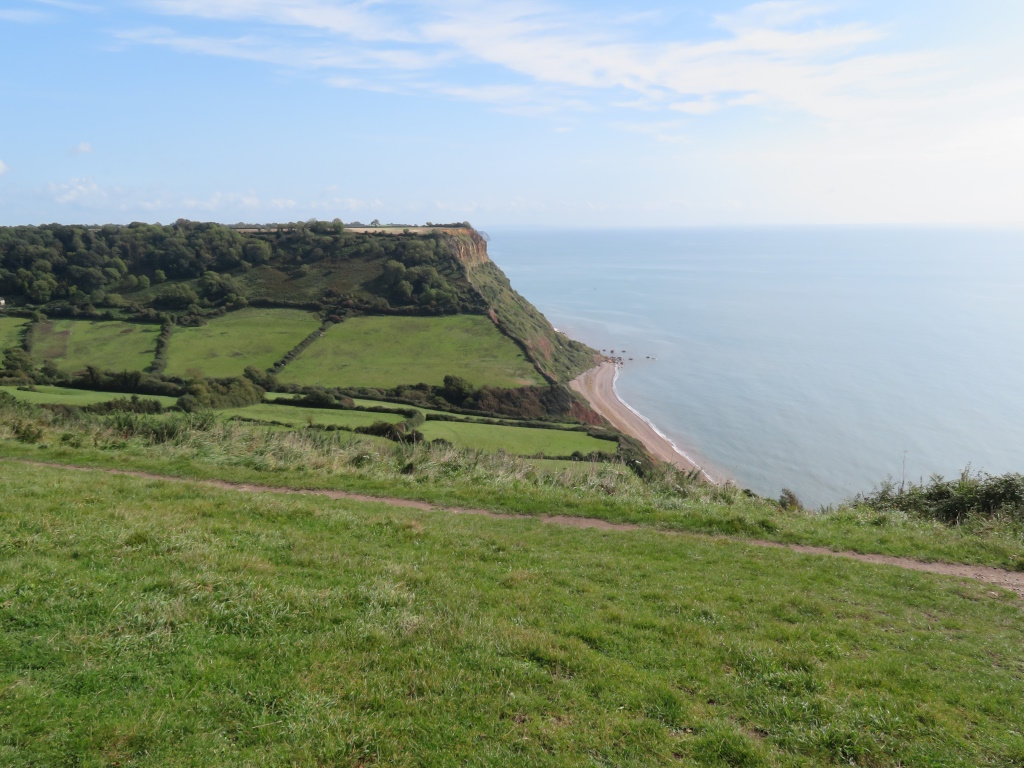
(226, 345)
(453, 477)
(160, 624)
(555, 466)
(43, 395)
(388, 351)
(300, 417)
(522, 441)
(109, 345)
(10, 332)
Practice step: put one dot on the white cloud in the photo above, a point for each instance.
(3, 168)
(84, 148)
(263, 49)
(761, 54)
(771, 15)
(356, 20)
(23, 16)
(84, 192)
(858, 106)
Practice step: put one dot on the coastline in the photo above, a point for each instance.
(598, 387)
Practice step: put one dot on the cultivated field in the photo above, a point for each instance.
(10, 332)
(109, 345)
(388, 351)
(299, 417)
(42, 395)
(226, 345)
(522, 441)
(171, 624)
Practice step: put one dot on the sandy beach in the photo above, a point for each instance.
(598, 386)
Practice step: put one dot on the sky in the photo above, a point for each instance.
(513, 112)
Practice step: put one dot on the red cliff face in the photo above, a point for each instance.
(467, 246)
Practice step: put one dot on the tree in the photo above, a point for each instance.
(17, 362)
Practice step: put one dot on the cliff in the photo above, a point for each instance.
(557, 357)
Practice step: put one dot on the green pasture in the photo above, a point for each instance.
(523, 441)
(109, 345)
(388, 351)
(171, 624)
(226, 345)
(301, 417)
(43, 395)
(10, 332)
(556, 466)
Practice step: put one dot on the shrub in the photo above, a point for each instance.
(953, 501)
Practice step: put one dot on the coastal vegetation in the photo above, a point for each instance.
(312, 456)
(188, 615)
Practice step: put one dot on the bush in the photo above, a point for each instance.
(396, 432)
(953, 501)
(223, 393)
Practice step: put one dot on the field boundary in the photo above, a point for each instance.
(1010, 580)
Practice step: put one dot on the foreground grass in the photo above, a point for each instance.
(147, 623)
(226, 345)
(446, 475)
(388, 351)
(109, 345)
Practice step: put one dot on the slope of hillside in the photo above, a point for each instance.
(188, 272)
(557, 356)
(165, 624)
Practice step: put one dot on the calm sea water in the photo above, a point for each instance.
(816, 360)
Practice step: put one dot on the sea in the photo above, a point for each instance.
(823, 361)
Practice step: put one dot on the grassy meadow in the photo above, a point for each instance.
(106, 344)
(522, 441)
(10, 332)
(389, 351)
(45, 395)
(200, 447)
(226, 345)
(148, 623)
(300, 417)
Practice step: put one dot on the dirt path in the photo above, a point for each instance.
(1010, 580)
(598, 386)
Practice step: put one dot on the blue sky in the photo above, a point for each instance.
(533, 113)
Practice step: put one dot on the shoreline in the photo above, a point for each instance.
(598, 387)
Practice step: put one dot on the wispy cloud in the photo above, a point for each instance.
(84, 192)
(84, 148)
(3, 168)
(267, 50)
(68, 5)
(776, 54)
(24, 16)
